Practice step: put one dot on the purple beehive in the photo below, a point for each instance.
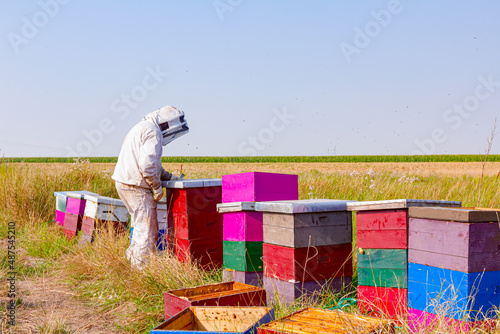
(258, 186)
(243, 226)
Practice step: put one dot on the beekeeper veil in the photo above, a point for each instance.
(171, 122)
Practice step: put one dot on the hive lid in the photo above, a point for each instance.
(104, 200)
(314, 320)
(235, 207)
(194, 183)
(398, 204)
(79, 194)
(466, 215)
(302, 206)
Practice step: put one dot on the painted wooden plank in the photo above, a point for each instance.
(72, 222)
(307, 236)
(197, 225)
(308, 263)
(467, 215)
(382, 220)
(61, 204)
(383, 267)
(192, 200)
(243, 256)
(108, 212)
(302, 206)
(299, 220)
(75, 206)
(466, 247)
(456, 294)
(287, 292)
(259, 186)
(421, 321)
(162, 243)
(389, 239)
(235, 207)
(319, 321)
(398, 204)
(383, 258)
(219, 294)
(205, 252)
(254, 248)
(381, 301)
(439, 236)
(383, 277)
(470, 263)
(212, 319)
(251, 278)
(60, 217)
(88, 225)
(194, 183)
(162, 216)
(243, 226)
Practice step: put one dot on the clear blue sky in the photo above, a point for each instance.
(260, 77)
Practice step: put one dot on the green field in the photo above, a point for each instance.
(283, 159)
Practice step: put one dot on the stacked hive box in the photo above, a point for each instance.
(195, 226)
(70, 207)
(101, 211)
(307, 246)
(243, 230)
(242, 236)
(382, 240)
(219, 294)
(217, 320)
(454, 271)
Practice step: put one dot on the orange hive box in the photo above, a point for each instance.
(319, 321)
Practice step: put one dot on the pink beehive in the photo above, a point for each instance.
(258, 186)
(60, 217)
(243, 226)
(75, 206)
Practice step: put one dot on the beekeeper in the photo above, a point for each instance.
(138, 175)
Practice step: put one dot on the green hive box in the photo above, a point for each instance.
(243, 255)
(386, 268)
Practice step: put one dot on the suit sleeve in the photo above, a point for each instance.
(150, 159)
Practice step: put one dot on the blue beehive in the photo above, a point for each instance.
(454, 294)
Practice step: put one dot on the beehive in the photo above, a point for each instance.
(382, 241)
(453, 263)
(220, 294)
(195, 226)
(212, 319)
(307, 244)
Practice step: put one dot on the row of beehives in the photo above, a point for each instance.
(304, 247)
(393, 279)
(81, 212)
(417, 259)
(233, 307)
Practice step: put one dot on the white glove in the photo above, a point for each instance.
(158, 194)
(176, 178)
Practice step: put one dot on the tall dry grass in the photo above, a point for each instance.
(103, 277)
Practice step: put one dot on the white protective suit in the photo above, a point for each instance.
(138, 175)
